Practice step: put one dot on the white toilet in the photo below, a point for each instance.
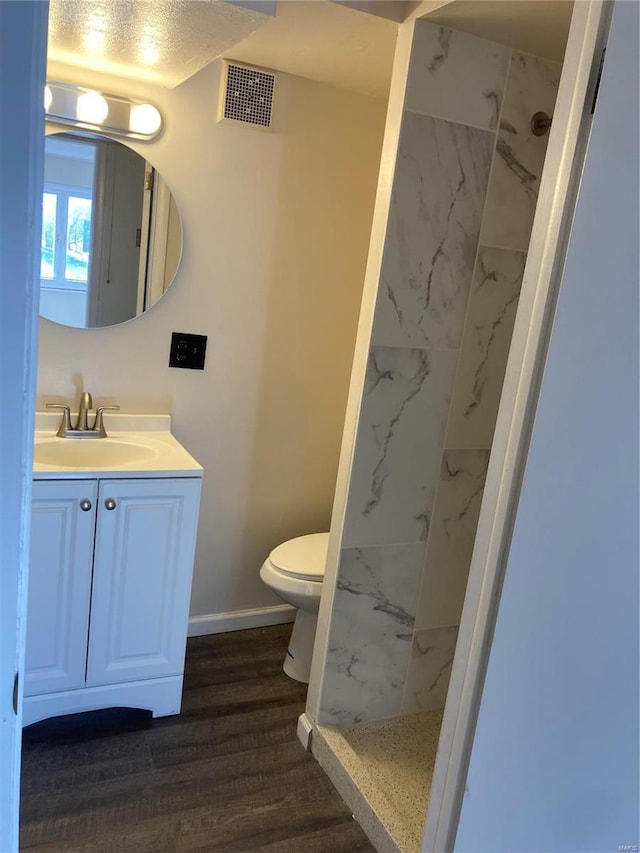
(295, 571)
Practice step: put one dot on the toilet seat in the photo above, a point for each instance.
(303, 557)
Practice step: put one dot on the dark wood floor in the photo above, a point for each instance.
(227, 774)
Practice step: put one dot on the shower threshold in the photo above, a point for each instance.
(383, 772)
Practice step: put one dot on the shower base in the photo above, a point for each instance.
(383, 772)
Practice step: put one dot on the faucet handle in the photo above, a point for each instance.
(65, 423)
(99, 421)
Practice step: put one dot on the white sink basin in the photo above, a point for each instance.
(94, 453)
(137, 445)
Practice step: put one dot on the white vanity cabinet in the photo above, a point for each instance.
(59, 585)
(109, 589)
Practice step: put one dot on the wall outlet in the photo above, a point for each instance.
(187, 350)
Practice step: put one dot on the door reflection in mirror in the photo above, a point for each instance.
(111, 233)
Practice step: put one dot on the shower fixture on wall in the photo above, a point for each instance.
(540, 123)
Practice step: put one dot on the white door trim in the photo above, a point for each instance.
(551, 228)
(23, 52)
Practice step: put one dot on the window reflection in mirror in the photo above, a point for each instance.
(111, 234)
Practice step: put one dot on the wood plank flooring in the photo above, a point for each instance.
(228, 774)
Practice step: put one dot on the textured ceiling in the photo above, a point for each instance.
(166, 41)
(159, 41)
(326, 42)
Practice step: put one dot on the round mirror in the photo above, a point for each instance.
(111, 232)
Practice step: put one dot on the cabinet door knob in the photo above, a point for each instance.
(110, 503)
(85, 504)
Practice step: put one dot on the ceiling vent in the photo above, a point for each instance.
(247, 95)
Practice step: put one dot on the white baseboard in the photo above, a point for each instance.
(238, 620)
(305, 730)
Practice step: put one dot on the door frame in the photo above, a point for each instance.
(23, 38)
(551, 229)
(23, 55)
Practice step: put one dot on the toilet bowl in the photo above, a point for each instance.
(295, 571)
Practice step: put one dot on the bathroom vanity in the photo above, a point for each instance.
(112, 546)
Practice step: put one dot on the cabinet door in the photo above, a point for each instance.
(141, 578)
(59, 585)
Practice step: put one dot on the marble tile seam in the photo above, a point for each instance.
(406, 685)
(472, 36)
(457, 447)
(375, 346)
(421, 542)
(520, 249)
(493, 131)
(500, 248)
(517, 52)
(437, 627)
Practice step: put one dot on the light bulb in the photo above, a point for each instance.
(48, 97)
(92, 108)
(145, 119)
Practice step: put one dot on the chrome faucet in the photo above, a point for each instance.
(82, 428)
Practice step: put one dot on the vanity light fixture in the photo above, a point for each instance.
(99, 111)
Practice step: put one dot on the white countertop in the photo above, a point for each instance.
(152, 450)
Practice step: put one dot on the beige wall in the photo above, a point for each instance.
(276, 230)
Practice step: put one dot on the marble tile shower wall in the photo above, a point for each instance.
(531, 86)
(449, 283)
